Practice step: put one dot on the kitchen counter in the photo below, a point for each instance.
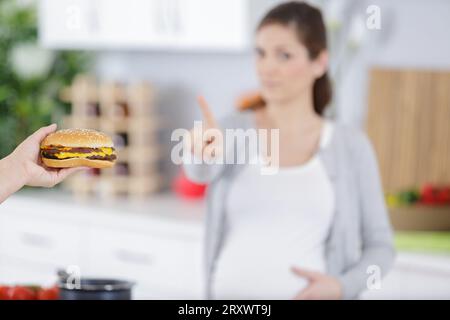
(165, 205)
(161, 209)
(415, 275)
(156, 242)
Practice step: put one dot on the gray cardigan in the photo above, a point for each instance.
(360, 235)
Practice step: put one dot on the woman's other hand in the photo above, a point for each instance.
(321, 286)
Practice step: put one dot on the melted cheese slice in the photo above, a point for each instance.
(64, 155)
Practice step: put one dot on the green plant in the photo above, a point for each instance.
(31, 77)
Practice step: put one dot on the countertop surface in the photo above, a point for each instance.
(163, 209)
(165, 214)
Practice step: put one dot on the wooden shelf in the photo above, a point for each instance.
(115, 124)
(110, 186)
(138, 154)
(126, 113)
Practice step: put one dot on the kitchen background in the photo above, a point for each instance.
(133, 69)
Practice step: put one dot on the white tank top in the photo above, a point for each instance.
(275, 222)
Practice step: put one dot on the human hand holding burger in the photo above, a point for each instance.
(25, 166)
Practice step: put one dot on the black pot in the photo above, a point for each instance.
(95, 289)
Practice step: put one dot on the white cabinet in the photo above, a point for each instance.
(156, 243)
(144, 24)
(21, 272)
(47, 242)
(159, 263)
(415, 276)
(213, 24)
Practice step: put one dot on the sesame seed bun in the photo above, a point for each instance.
(77, 162)
(78, 138)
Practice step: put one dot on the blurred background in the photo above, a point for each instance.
(133, 69)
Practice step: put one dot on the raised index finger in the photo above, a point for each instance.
(206, 111)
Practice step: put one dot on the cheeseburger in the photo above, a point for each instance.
(78, 147)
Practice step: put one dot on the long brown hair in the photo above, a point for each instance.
(311, 31)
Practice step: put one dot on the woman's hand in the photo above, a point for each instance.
(321, 286)
(24, 167)
(205, 142)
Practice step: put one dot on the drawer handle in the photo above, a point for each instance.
(36, 240)
(134, 257)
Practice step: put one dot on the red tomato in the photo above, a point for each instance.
(426, 190)
(48, 294)
(445, 195)
(22, 293)
(5, 293)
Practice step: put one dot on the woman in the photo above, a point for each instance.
(23, 166)
(312, 230)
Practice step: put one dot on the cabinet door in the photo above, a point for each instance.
(95, 24)
(68, 23)
(214, 24)
(33, 239)
(17, 273)
(415, 276)
(126, 23)
(169, 266)
(143, 24)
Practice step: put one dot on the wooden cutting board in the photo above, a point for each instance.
(408, 122)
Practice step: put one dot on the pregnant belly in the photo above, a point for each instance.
(262, 272)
